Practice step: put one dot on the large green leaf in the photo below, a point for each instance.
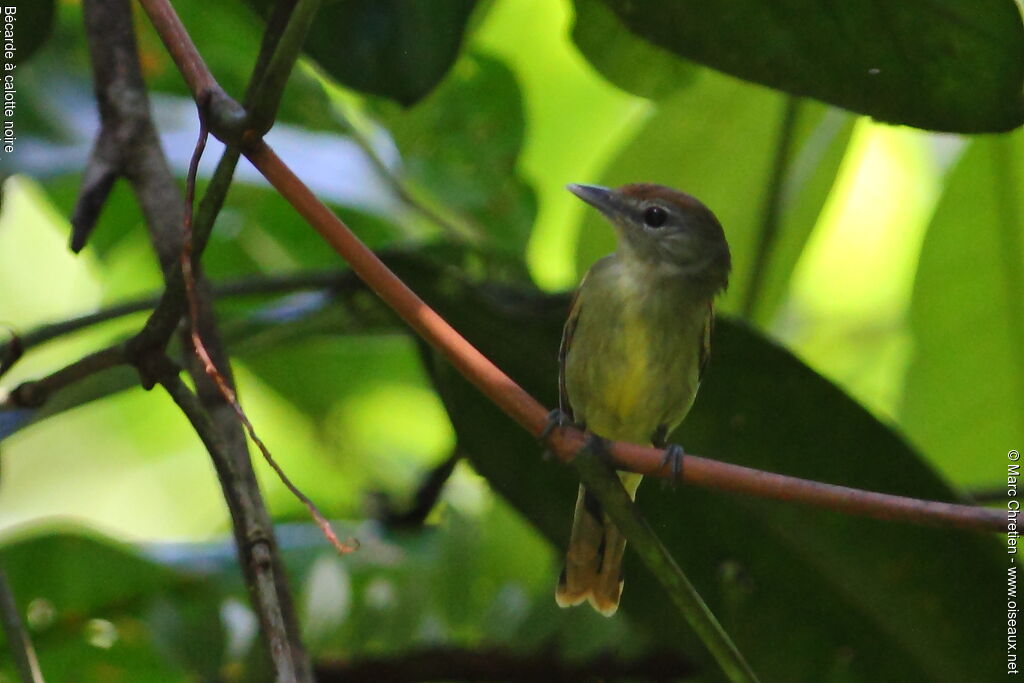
(629, 62)
(717, 140)
(857, 599)
(462, 144)
(963, 400)
(100, 611)
(951, 65)
(400, 49)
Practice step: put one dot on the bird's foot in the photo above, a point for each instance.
(673, 460)
(556, 420)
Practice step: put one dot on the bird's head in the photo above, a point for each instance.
(665, 229)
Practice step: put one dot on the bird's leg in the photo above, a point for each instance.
(674, 453)
(556, 419)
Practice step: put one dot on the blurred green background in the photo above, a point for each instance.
(444, 133)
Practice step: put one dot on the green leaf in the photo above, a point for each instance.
(228, 37)
(858, 599)
(32, 22)
(730, 171)
(72, 578)
(400, 49)
(950, 65)
(462, 145)
(963, 399)
(631, 63)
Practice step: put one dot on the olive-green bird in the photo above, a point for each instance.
(633, 352)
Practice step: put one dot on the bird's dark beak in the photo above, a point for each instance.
(609, 202)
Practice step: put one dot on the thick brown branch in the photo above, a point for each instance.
(127, 144)
(567, 441)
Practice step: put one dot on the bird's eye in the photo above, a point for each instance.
(655, 217)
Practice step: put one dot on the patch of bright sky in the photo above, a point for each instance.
(575, 121)
(851, 288)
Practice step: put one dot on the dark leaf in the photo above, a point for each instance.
(400, 49)
(97, 608)
(462, 145)
(631, 63)
(30, 24)
(963, 401)
(951, 65)
(858, 599)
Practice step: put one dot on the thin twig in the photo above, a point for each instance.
(567, 441)
(127, 144)
(18, 640)
(772, 208)
(35, 393)
(247, 286)
(222, 384)
(253, 529)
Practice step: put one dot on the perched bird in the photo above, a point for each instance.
(633, 351)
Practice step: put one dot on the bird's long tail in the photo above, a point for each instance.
(593, 562)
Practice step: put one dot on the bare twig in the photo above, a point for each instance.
(11, 350)
(127, 144)
(247, 286)
(36, 392)
(221, 382)
(18, 640)
(567, 441)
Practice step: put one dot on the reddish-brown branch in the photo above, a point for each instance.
(228, 118)
(567, 441)
(496, 385)
(181, 48)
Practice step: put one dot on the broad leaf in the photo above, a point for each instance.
(400, 49)
(100, 611)
(963, 401)
(950, 65)
(629, 62)
(858, 599)
(462, 144)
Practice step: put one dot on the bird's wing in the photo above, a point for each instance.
(705, 344)
(563, 352)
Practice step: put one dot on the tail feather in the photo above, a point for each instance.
(593, 562)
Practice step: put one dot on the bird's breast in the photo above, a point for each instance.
(633, 362)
